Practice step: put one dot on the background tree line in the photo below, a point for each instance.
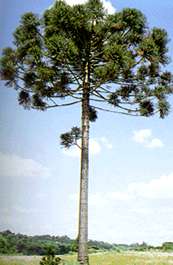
(11, 243)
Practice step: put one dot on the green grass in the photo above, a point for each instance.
(109, 258)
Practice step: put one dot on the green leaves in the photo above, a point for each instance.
(50, 258)
(130, 23)
(62, 49)
(160, 38)
(24, 99)
(27, 37)
(95, 10)
(70, 138)
(113, 99)
(146, 108)
(149, 50)
(124, 59)
(153, 46)
(92, 114)
(38, 102)
(163, 107)
(8, 65)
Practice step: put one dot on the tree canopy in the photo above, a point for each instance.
(126, 60)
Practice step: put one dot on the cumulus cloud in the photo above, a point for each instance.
(15, 166)
(106, 3)
(95, 147)
(146, 138)
(123, 213)
(141, 136)
(109, 7)
(157, 188)
(154, 143)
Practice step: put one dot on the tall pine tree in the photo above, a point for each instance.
(82, 55)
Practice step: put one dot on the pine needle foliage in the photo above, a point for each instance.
(126, 60)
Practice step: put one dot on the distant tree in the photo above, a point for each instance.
(21, 246)
(74, 245)
(3, 245)
(82, 55)
(167, 246)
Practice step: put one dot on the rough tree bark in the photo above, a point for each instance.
(83, 200)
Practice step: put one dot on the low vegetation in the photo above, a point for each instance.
(105, 258)
(18, 244)
(11, 244)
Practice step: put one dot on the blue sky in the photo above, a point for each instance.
(131, 169)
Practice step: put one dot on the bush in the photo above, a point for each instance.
(50, 258)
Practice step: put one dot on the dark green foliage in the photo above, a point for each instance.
(47, 245)
(113, 98)
(11, 243)
(50, 258)
(146, 108)
(92, 114)
(98, 245)
(4, 246)
(74, 245)
(24, 99)
(167, 246)
(8, 67)
(48, 62)
(71, 138)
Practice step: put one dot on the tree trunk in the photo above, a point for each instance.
(83, 200)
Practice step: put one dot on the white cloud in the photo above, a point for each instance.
(15, 166)
(157, 188)
(106, 142)
(109, 7)
(95, 147)
(142, 136)
(154, 143)
(106, 3)
(120, 215)
(146, 138)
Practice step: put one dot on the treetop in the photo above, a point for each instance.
(125, 60)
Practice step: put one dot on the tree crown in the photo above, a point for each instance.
(124, 60)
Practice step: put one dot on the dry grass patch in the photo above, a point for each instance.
(109, 258)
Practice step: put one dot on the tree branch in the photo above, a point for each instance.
(62, 105)
(77, 145)
(116, 112)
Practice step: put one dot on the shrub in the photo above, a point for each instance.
(50, 258)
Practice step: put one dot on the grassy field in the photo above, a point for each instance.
(126, 258)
